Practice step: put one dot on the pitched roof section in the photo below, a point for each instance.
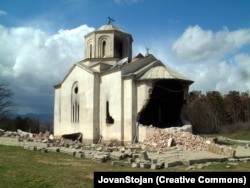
(162, 72)
(150, 68)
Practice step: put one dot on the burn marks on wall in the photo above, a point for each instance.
(164, 105)
(109, 119)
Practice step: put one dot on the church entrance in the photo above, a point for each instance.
(164, 105)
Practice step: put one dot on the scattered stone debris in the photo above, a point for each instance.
(161, 150)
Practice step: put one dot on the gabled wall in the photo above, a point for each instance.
(63, 104)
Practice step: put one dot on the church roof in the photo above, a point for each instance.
(162, 72)
(109, 27)
(149, 68)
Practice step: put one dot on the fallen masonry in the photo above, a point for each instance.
(120, 156)
(163, 149)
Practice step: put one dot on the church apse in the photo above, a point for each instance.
(164, 105)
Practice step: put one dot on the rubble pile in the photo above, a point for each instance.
(47, 137)
(167, 143)
(163, 140)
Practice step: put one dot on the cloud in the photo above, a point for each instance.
(227, 74)
(221, 62)
(3, 13)
(243, 60)
(196, 44)
(32, 61)
(216, 76)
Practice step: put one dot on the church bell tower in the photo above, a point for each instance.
(108, 42)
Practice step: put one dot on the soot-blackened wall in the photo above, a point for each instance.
(164, 106)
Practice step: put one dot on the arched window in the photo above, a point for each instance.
(75, 103)
(103, 48)
(90, 51)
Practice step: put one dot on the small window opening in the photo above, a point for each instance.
(78, 111)
(103, 48)
(73, 112)
(76, 90)
(109, 118)
(75, 109)
(90, 51)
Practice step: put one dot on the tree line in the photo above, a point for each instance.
(7, 106)
(27, 124)
(213, 112)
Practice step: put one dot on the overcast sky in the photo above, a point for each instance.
(207, 41)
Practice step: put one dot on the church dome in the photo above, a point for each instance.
(109, 27)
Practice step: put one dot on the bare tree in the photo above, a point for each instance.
(6, 99)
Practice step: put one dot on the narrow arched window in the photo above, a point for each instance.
(90, 51)
(103, 48)
(75, 104)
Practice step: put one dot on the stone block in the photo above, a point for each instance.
(156, 166)
(117, 155)
(144, 155)
(53, 149)
(135, 165)
(172, 164)
(68, 151)
(80, 155)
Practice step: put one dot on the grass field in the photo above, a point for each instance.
(20, 168)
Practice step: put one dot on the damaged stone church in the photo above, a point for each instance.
(112, 96)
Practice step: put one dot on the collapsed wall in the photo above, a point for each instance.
(156, 139)
(146, 132)
(181, 139)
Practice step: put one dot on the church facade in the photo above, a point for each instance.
(112, 96)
